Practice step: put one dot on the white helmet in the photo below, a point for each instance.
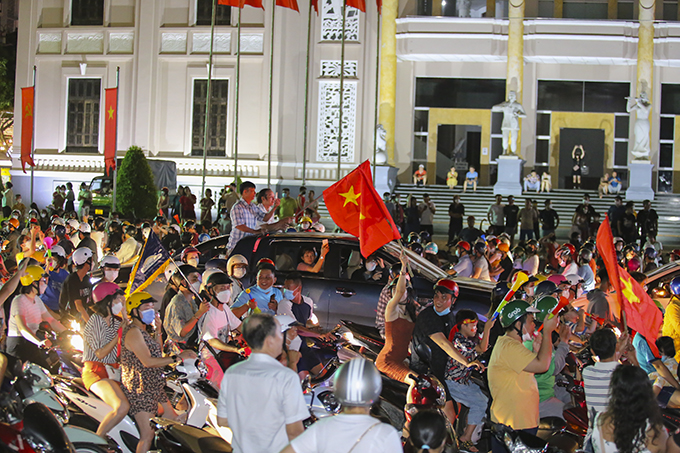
(73, 223)
(169, 270)
(110, 261)
(58, 221)
(206, 274)
(286, 321)
(84, 227)
(58, 250)
(357, 383)
(81, 255)
(233, 261)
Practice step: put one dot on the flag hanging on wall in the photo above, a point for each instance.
(110, 129)
(27, 121)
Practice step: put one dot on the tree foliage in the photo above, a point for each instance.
(137, 195)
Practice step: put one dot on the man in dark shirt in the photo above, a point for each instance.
(62, 240)
(456, 213)
(647, 220)
(86, 241)
(74, 299)
(511, 211)
(470, 234)
(615, 214)
(549, 218)
(432, 328)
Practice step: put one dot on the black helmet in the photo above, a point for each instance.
(216, 263)
(218, 278)
(416, 247)
(59, 230)
(585, 255)
(531, 247)
(413, 237)
(545, 288)
(518, 252)
(425, 237)
(480, 247)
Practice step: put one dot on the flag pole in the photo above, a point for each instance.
(236, 88)
(115, 151)
(377, 90)
(342, 83)
(304, 129)
(35, 69)
(271, 92)
(208, 97)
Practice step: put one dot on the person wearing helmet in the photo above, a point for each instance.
(512, 367)
(142, 364)
(218, 324)
(190, 255)
(354, 429)
(84, 230)
(111, 267)
(98, 234)
(130, 248)
(480, 262)
(565, 255)
(262, 296)
(26, 313)
(505, 266)
(74, 298)
(62, 239)
(278, 395)
(531, 261)
(100, 353)
(464, 266)
(56, 265)
(237, 269)
(585, 271)
(432, 328)
(671, 318)
(172, 241)
(183, 313)
(305, 224)
(308, 258)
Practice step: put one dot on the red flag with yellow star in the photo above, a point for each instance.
(242, 3)
(642, 314)
(357, 208)
(27, 98)
(110, 128)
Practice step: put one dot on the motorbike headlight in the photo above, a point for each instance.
(77, 342)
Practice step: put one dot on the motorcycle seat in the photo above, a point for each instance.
(199, 441)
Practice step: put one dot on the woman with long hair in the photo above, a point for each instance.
(632, 422)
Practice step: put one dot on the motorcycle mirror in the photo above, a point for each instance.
(306, 382)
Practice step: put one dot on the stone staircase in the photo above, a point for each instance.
(563, 201)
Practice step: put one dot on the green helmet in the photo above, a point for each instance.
(514, 310)
(545, 305)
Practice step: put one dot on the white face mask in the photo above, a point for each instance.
(197, 286)
(305, 226)
(223, 296)
(42, 286)
(192, 262)
(239, 272)
(370, 266)
(116, 308)
(111, 275)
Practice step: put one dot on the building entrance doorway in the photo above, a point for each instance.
(457, 146)
(592, 164)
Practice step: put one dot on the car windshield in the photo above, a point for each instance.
(100, 185)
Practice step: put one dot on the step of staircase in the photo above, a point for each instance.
(564, 202)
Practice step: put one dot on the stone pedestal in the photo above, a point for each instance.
(385, 178)
(509, 176)
(640, 181)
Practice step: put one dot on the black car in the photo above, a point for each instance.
(335, 294)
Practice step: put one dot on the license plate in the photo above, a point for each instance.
(99, 211)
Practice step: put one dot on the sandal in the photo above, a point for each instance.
(467, 445)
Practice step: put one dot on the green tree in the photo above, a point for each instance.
(136, 195)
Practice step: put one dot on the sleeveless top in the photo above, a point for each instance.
(600, 445)
(137, 378)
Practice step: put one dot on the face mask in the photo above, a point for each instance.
(527, 337)
(585, 201)
(42, 286)
(445, 312)
(295, 344)
(284, 195)
(43, 214)
(116, 308)
(197, 286)
(224, 216)
(305, 226)
(370, 266)
(147, 316)
(239, 272)
(288, 294)
(192, 262)
(224, 296)
(111, 275)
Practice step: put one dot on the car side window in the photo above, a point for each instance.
(289, 255)
(351, 262)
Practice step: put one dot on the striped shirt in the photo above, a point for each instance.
(596, 382)
(98, 334)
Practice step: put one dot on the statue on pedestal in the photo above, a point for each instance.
(641, 147)
(512, 112)
(463, 8)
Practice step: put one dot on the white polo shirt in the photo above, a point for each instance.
(343, 432)
(259, 397)
(218, 323)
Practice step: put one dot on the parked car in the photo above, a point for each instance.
(659, 279)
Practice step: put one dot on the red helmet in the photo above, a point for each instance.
(188, 250)
(266, 263)
(465, 245)
(104, 289)
(564, 250)
(447, 286)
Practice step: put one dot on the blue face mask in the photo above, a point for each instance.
(445, 312)
(288, 294)
(147, 316)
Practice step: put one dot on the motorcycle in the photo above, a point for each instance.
(37, 431)
(174, 437)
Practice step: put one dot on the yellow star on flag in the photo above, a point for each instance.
(29, 110)
(350, 196)
(627, 291)
(111, 111)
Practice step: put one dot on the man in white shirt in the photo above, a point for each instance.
(357, 386)
(130, 248)
(217, 324)
(267, 202)
(260, 399)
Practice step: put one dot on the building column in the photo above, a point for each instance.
(645, 50)
(514, 80)
(388, 73)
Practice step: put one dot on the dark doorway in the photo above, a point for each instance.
(457, 146)
(592, 141)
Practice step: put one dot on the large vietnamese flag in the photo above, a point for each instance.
(357, 208)
(27, 103)
(642, 314)
(110, 128)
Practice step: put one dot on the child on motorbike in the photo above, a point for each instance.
(466, 340)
